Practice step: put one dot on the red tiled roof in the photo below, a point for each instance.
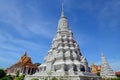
(25, 61)
(117, 73)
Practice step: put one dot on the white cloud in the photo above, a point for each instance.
(106, 12)
(42, 29)
(11, 48)
(4, 61)
(7, 58)
(108, 16)
(12, 14)
(25, 26)
(12, 43)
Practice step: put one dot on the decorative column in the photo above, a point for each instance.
(30, 70)
(27, 70)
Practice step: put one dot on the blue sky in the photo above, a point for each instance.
(30, 25)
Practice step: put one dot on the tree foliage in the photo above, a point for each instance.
(98, 73)
(7, 77)
(17, 73)
(2, 73)
(117, 74)
(111, 78)
(34, 79)
(54, 78)
(19, 77)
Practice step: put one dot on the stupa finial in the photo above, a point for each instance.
(62, 15)
(102, 54)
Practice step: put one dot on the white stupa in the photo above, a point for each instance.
(64, 58)
(106, 70)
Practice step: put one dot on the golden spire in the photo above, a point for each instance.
(92, 63)
(25, 54)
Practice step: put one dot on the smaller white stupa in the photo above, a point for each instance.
(106, 70)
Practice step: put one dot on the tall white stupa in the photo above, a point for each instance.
(64, 58)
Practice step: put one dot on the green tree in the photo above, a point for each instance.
(98, 73)
(7, 77)
(2, 73)
(118, 75)
(46, 78)
(22, 77)
(19, 77)
(17, 73)
(34, 79)
(16, 78)
(54, 78)
(118, 78)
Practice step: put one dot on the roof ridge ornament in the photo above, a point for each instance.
(25, 54)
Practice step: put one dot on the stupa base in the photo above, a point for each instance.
(66, 77)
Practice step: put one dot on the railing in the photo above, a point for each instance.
(63, 77)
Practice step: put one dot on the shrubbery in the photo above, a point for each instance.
(98, 73)
(54, 78)
(7, 77)
(118, 78)
(34, 79)
(19, 77)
